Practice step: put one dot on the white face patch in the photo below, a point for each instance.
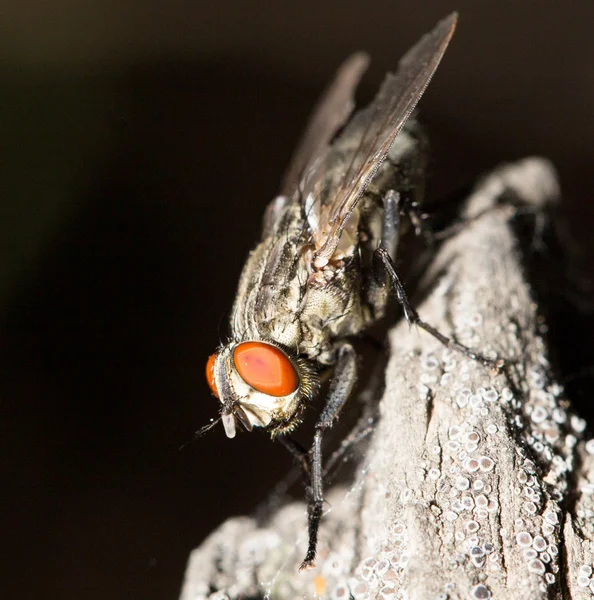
(258, 416)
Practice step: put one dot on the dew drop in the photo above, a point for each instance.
(524, 539)
(578, 424)
(453, 446)
(472, 526)
(539, 414)
(559, 416)
(471, 465)
(473, 437)
(462, 483)
(486, 463)
(467, 502)
(539, 544)
(480, 592)
(583, 581)
(536, 566)
(482, 501)
(547, 529)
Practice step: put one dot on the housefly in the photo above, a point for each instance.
(324, 269)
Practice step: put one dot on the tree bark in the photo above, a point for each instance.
(475, 484)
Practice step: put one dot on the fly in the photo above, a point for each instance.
(324, 269)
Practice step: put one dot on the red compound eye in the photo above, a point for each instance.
(210, 375)
(266, 368)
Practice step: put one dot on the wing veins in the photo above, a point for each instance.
(390, 110)
(332, 111)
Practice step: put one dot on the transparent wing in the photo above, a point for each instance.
(331, 112)
(386, 115)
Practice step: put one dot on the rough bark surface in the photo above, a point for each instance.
(475, 485)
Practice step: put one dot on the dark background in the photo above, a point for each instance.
(139, 144)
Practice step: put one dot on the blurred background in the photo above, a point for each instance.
(139, 144)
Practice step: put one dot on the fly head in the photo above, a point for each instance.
(259, 384)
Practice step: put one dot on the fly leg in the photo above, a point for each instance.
(395, 205)
(364, 426)
(381, 258)
(341, 386)
(391, 222)
(389, 241)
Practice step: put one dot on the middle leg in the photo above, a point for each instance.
(382, 259)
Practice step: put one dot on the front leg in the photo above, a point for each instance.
(341, 386)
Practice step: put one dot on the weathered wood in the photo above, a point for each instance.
(475, 485)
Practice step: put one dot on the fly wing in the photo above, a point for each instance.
(331, 112)
(386, 115)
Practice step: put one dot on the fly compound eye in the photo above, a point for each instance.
(266, 368)
(210, 375)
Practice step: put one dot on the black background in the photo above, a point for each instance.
(139, 144)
